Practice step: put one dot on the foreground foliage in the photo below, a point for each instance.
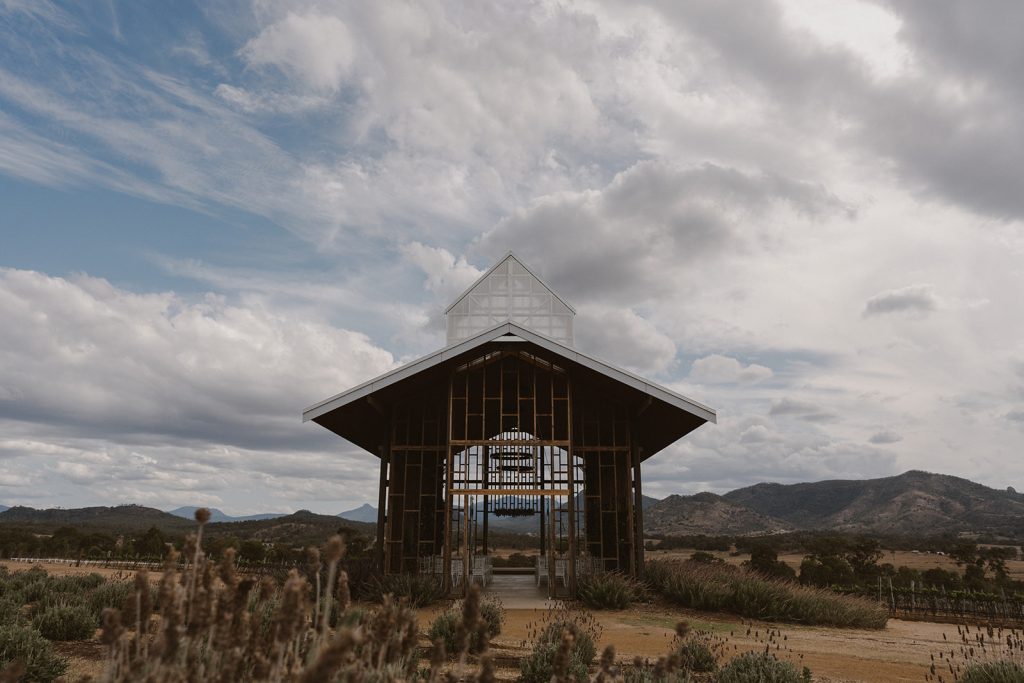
(760, 667)
(26, 650)
(609, 590)
(448, 627)
(983, 655)
(565, 645)
(721, 588)
(206, 623)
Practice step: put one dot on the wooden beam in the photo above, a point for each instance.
(510, 492)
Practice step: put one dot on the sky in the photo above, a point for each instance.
(806, 214)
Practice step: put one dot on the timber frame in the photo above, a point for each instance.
(506, 424)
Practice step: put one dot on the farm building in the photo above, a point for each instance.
(510, 422)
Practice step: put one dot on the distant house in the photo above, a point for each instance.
(509, 419)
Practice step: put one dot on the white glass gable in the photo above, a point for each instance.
(509, 291)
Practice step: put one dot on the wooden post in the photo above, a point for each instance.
(466, 556)
(552, 586)
(538, 459)
(571, 504)
(487, 484)
(446, 579)
(382, 498)
(638, 507)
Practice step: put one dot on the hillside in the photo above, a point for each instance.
(189, 512)
(118, 519)
(707, 513)
(363, 513)
(300, 528)
(911, 503)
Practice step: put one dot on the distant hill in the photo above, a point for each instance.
(707, 513)
(297, 529)
(189, 512)
(4, 508)
(911, 503)
(118, 519)
(363, 513)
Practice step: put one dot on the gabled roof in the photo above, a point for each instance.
(355, 415)
(490, 270)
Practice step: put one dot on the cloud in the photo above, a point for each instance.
(915, 301)
(447, 276)
(623, 337)
(1015, 416)
(885, 437)
(744, 450)
(718, 369)
(801, 410)
(314, 48)
(652, 220)
(85, 356)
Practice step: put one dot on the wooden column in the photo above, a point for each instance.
(487, 499)
(571, 504)
(638, 498)
(631, 512)
(382, 499)
(446, 579)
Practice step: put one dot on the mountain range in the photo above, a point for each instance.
(912, 503)
(189, 512)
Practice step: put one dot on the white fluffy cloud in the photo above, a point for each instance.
(718, 369)
(313, 48)
(107, 384)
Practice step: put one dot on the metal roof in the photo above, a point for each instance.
(349, 417)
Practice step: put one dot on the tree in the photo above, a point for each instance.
(252, 551)
(152, 544)
(765, 560)
(863, 557)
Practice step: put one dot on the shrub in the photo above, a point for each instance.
(728, 589)
(1002, 671)
(113, 594)
(36, 590)
(695, 655)
(419, 589)
(11, 608)
(445, 627)
(23, 643)
(647, 674)
(608, 590)
(583, 631)
(77, 584)
(66, 622)
(760, 667)
(493, 614)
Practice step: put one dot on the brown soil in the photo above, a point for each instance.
(900, 652)
(62, 569)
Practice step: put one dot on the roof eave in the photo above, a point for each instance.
(638, 383)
